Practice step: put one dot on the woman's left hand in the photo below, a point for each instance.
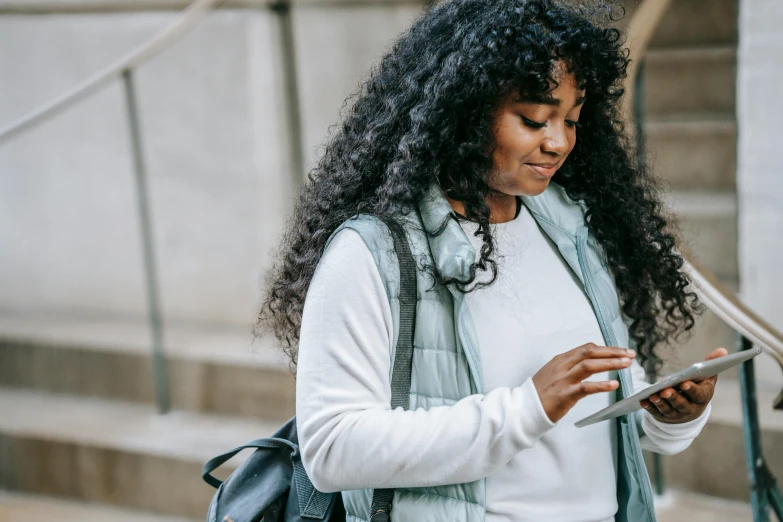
(673, 407)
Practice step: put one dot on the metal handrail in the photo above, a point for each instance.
(190, 16)
(727, 306)
(124, 67)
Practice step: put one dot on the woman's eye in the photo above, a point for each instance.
(572, 123)
(533, 124)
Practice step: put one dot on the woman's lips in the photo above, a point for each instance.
(544, 169)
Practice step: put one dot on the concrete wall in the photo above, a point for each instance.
(760, 167)
(334, 49)
(216, 146)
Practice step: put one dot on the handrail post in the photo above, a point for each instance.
(283, 9)
(764, 492)
(159, 370)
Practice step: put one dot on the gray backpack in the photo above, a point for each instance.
(272, 484)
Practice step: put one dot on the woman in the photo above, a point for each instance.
(490, 131)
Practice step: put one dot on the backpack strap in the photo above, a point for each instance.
(401, 371)
(215, 462)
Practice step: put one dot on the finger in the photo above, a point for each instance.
(698, 393)
(593, 351)
(584, 369)
(676, 401)
(661, 405)
(650, 408)
(586, 388)
(717, 352)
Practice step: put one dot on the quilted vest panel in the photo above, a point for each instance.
(440, 373)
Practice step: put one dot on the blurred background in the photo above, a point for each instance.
(137, 219)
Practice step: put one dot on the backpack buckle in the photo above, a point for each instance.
(380, 516)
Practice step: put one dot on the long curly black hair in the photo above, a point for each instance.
(425, 113)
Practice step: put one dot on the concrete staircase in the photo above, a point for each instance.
(79, 421)
(689, 100)
(80, 438)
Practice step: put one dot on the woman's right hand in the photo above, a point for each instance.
(561, 382)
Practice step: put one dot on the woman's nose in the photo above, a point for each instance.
(556, 140)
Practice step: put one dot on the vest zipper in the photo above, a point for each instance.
(581, 245)
(470, 351)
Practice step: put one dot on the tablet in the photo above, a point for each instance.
(696, 372)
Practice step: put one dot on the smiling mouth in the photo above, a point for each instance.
(546, 170)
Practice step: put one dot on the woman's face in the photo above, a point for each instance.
(533, 138)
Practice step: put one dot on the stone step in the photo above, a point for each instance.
(114, 453)
(708, 223)
(715, 463)
(23, 507)
(694, 153)
(690, 81)
(210, 370)
(697, 23)
(673, 506)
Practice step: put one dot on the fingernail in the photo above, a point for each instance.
(685, 387)
(625, 360)
(666, 395)
(631, 352)
(655, 401)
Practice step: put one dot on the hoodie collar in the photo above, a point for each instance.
(452, 251)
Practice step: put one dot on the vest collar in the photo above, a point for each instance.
(452, 251)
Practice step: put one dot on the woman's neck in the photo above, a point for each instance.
(502, 207)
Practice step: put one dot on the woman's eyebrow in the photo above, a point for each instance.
(547, 100)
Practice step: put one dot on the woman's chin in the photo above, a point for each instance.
(534, 187)
(521, 185)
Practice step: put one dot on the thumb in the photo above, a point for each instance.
(717, 352)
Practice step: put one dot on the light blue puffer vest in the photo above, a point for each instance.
(447, 357)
